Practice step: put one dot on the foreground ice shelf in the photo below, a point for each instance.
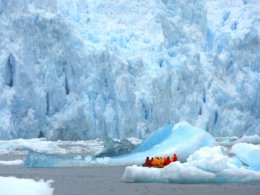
(14, 186)
(207, 165)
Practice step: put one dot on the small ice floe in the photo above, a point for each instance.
(207, 165)
(15, 186)
(11, 162)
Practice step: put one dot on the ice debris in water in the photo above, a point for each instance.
(182, 139)
(230, 141)
(21, 146)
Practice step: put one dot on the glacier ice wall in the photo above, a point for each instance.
(84, 69)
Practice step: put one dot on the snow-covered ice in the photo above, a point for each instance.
(39, 145)
(204, 166)
(182, 139)
(15, 186)
(11, 162)
(249, 154)
(21, 146)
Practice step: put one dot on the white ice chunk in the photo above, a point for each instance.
(209, 159)
(38, 145)
(205, 165)
(11, 162)
(15, 186)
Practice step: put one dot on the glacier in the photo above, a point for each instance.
(73, 70)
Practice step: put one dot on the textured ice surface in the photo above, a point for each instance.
(116, 147)
(249, 154)
(12, 186)
(86, 69)
(205, 165)
(39, 145)
(253, 139)
(183, 139)
(230, 141)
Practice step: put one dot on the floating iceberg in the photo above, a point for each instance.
(248, 154)
(182, 139)
(12, 186)
(205, 165)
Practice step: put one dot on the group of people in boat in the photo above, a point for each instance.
(159, 162)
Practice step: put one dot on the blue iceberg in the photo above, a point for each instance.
(183, 139)
(248, 154)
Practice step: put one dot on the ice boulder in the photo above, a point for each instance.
(213, 159)
(116, 147)
(13, 185)
(249, 154)
(207, 165)
(175, 172)
(183, 139)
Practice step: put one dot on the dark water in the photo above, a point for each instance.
(107, 180)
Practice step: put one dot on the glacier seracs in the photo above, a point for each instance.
(85, 69)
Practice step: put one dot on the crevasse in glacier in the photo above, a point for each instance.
(85, 69)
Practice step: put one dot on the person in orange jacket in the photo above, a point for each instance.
(161, 162)
(156, 162)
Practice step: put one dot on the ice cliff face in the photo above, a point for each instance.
(84, 69)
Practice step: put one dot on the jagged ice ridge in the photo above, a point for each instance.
(84, 69)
